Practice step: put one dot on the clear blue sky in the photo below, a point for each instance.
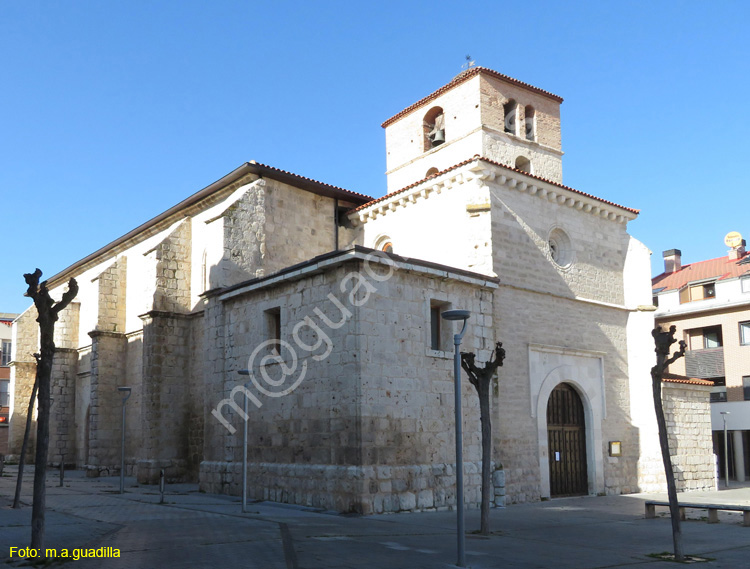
(111, 112)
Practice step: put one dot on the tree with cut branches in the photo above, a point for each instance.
(48, 311)
(663, 341)
(481, 379)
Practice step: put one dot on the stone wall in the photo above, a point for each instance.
(134, 447)
(62, 438)
(368, 421)
(23, 373)
(108, 358)
(112, 297)
(353, 489)
(474, 125)
(173, 270)
(406, 159)
(165, 414)
(688, 415)
(521, 227)
(495, 93)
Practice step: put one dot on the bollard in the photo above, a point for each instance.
(161, 485)
(62, 470)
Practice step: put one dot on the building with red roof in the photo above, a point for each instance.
(709, 304)
(6, 347)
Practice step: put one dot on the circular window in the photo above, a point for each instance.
(560, 249)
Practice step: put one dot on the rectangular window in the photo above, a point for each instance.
(745, 282)
(273, 328)
(6, 353)
(712, 337)
(745, 333)
(697, 292)
(746, 387)
(719, 390)
(718, 394)
(435, 327)
(440, 330)
(684, 295)
(4, 394)
(709, 290)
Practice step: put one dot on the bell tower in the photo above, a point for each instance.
(481, 112)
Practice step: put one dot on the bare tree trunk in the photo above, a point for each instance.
(48, 312)
(481, 379)
(24, 446)
(674, 507)
(42, 436)
(663, 341)
(484, 413)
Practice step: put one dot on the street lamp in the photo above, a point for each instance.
(726, 448)
(462, 315)
(126, 394)
(244, 447)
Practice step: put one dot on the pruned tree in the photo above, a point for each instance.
(663, 341)
(481, 379)
(25, 444)
(48, 311)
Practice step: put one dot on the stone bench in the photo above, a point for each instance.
(713, 510)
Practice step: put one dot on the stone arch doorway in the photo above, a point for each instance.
(566, 437)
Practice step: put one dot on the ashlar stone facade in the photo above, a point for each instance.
(318, 310)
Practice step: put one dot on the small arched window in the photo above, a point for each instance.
(434, 128)
(530, 122)
(510, 109)
(384, 243)
(431, 172)
(523, 164)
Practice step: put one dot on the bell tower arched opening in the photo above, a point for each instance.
(433, 126)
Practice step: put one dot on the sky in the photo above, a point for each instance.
(112, 112)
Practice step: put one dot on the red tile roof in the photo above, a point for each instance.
(465, 76)
(719, 269)
(313, 185)
(674, 378)
(483, 159)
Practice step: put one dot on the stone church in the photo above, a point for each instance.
(331, 300)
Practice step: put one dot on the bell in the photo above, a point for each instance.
(439, 138)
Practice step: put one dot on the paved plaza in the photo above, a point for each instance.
(195, 530)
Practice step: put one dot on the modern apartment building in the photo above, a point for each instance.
(709, 303)
(6, 323)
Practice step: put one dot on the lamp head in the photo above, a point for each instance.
(725, 412)
(125, 394)
(456, 314)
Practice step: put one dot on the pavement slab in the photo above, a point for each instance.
(195, 530)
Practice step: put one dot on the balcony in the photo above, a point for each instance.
(705, 364)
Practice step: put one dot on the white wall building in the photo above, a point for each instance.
(709, 304)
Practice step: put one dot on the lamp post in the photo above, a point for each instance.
(726, 448)
(244, 446)
(462, 315)
(126, 395)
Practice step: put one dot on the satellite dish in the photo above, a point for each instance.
(733, 239)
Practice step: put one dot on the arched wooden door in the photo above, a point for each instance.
(566, 438)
